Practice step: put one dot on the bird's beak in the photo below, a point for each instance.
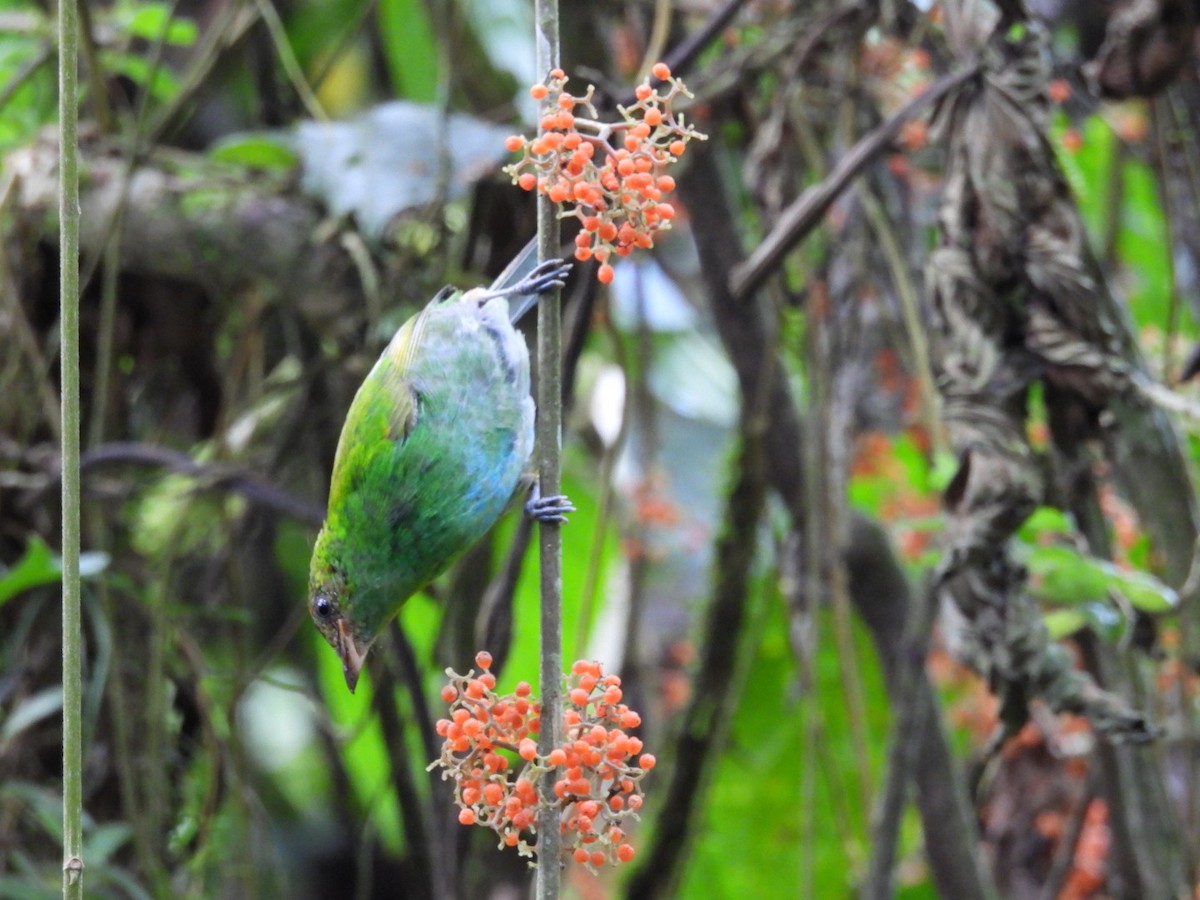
(352, 652)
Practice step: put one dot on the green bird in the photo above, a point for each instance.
(435, 445)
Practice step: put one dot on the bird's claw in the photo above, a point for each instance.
(549, 509)
(550, 274)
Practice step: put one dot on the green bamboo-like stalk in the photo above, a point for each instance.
(549, 440)
(68, 211)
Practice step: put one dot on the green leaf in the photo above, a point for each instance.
(409, 47)
(1101, 618)
(37, 567)
(1145, 592)
(1061, 575)
(153, 21)
(40, 565)
(164, 86)
(255, 151)
(1046, 519)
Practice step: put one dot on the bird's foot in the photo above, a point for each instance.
(550, 274)
(548, 509)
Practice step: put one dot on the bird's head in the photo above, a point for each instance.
(328, 604)
(338, 629)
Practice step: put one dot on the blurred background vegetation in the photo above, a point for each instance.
(270, 187)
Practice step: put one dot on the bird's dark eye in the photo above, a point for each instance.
(322, 607)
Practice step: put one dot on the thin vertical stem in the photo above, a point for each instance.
(68, 211)
(549, 439)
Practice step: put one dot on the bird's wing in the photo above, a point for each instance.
(382, 414)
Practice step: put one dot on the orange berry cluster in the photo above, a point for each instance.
(609, 175)
(597, 770)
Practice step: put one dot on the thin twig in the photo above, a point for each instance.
(72, 636)
(549, 438)
(912, 714)
(287, 59)
(806, 211)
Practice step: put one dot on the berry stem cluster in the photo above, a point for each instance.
(609, 175)
(596, 771)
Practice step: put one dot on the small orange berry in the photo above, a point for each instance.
(583, 239)
(625, 852)
(466, 817)
(616, 802)
(565, 100)
(653, 116)
(565, 120)
(677, 148)
(558, 74)
(635, 802)
(632, 142)
(607, 231)
(581, 855)
(513, 143)
(598, 858)
(661, 71)
(528, 749)
(601, 254)
(511, 839)
(557, 757)
(666, 183)
(539, 92)
(647, 761)
(579, 697)
(449, 693)
(643, 91)
(522, 689)
(572, 140)
(527, 181)
(488, 680)
(667, 211)
(493, 794)
(583, 254)
(605, 276)
(558, 192)
(475, 689)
